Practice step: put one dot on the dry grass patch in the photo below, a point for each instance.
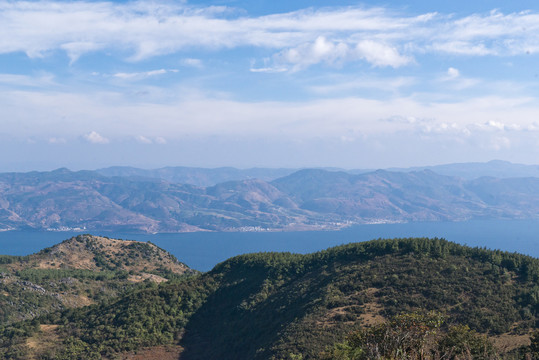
(169, 352)
(145, 276)
(43, 341)
(508, 342)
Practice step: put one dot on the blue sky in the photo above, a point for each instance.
(88, 84)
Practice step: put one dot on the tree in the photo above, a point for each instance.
(414, 337)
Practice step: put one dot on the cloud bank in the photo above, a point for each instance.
(142, 30)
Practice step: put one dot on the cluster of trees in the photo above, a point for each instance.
(414, 336)
(150, 315)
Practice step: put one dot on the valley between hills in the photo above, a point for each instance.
(98, 298)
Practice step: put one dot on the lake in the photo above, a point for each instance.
(204, 250)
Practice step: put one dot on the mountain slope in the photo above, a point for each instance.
(196, 176)
(414, 196)
(274, 305)
(86, 200)
(470, 171)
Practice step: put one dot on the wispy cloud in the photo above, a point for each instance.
(268, 69)
(322, 118)
(143, 140)
(143, 75)
(140, 30)
(95, 138)
(452, 73)
(454, 79)
(42, 80)
(347, 84)
(190, 62)
(56, 140)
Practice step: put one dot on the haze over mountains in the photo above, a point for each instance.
(311, 199)
(209, 177)
(196, 176)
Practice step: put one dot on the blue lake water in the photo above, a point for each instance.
(202, 250)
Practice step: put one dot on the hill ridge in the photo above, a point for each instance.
(275, 305)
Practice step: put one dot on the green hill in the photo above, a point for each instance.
(282, 305)
(77, 272)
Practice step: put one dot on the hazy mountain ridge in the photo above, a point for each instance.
(205, 177)
(196, 176)
(307, 199)
(494, 168)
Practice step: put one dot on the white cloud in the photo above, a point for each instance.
(56, 140)
(453, 73)
(143, 140)
(380, 54)
(154, 140)
(143, 75)
(196, 63)
(323, 50)
(269, 66)
(95, 138)
(268, 69)
(463, 48)
(41, 80)
(77, 48)
(495, 124)
(454, 79)
(345, 84)
(140, 30)
(499, 143)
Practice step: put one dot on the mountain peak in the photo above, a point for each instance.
(62, 170)
(90, 252)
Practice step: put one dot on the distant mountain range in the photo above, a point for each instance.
(309, 199)
(494, 168)
(209, 177)
(196, 176)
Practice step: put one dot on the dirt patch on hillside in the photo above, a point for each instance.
(145, 276)
(508, 342)
(371, 310)
(43, 341)
(75, 300)
(169, 352)
(371, 315)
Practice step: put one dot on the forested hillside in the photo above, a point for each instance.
(281, 305)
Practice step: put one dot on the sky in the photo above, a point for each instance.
(295, 83)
